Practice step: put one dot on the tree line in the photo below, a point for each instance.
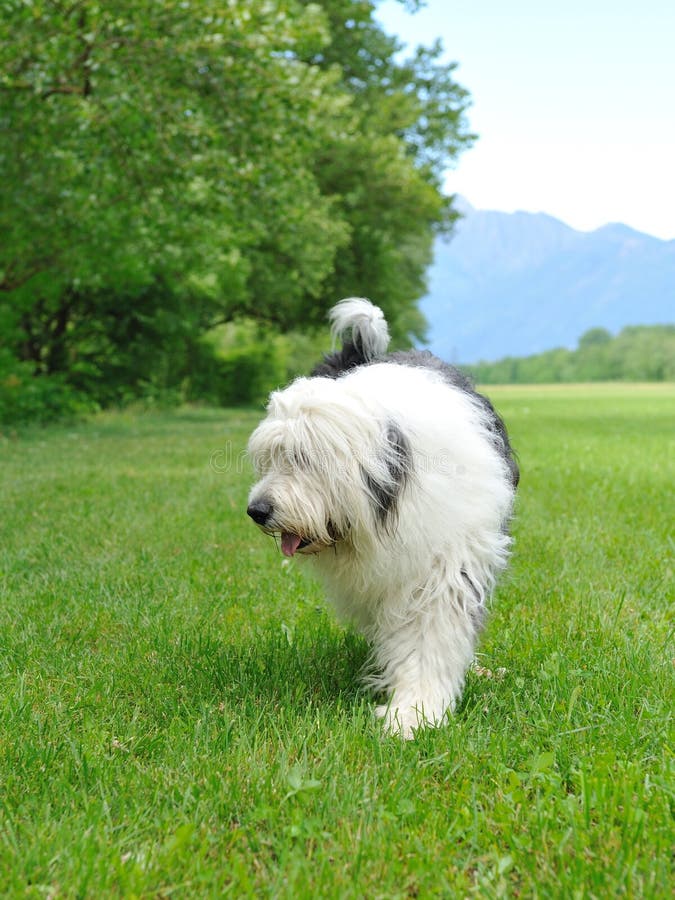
(637, 353)
(187, 187)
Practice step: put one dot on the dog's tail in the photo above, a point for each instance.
(362, 328)
(369, 332)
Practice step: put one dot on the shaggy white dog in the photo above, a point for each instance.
(396, 480)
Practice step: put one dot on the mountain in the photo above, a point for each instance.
(512, 284)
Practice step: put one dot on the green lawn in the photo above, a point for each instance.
(180, 716)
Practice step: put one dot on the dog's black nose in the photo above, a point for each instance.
(260, 511)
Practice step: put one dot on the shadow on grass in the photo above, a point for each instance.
(317, 666)
(314, 666)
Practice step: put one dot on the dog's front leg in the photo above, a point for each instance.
(423, 657)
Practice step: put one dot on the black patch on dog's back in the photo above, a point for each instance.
(398, 460)
(335, 364)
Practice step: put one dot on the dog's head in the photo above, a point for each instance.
(330, 468)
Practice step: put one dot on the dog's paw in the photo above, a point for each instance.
(405, 719)
(400, 721)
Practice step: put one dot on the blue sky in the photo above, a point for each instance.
(574, 103)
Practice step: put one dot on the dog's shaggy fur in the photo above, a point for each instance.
(396, 479)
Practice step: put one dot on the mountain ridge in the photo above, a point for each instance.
(514, 284)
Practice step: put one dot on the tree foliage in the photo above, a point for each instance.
(385, 171)
(637, 353)
(166, 139)
(166, 167)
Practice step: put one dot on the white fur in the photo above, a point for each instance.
(366, 322)
(416, 587)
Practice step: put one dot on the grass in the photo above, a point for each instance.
(181, 717)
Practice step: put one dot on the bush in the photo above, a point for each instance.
(238, 364)
(27, 398)
(235, 365)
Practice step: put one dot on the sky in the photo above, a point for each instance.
(573, 102)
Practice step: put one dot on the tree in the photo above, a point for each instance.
(167, 167)
(160, 142)
(594, 337)
(637, 353)
(385, 168)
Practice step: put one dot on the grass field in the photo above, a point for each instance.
(180, 716)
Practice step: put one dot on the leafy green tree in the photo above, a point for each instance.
(169, 167)
(645, 353)
(637, 353)
(594, 337)
(385, 167)
(170, 142)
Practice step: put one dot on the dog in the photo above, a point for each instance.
(396, 480)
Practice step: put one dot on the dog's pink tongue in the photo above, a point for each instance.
(289, 543)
